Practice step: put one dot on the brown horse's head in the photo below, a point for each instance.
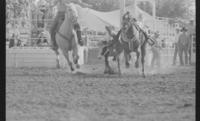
(114, 47)
(127, 29)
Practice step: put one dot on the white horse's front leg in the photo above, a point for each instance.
(68, 60)
(75, 55)
(58, 61)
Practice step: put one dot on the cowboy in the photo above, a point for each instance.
(128, 32)
(60, 16)
(176, 46)
(107, 43)
(126, 18)
(183, 44)
(156, 50)
(191, 34)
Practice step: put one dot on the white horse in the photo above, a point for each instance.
(67, 41)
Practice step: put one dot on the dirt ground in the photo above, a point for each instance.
(42, 94)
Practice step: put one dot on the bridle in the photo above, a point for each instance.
(69, 13)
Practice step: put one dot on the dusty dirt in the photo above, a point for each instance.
(42, 94)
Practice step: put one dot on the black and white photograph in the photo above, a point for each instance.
(100, 60)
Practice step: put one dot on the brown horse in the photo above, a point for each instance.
(118, 45)
(113, 49)
(134, 40)
(67, 41)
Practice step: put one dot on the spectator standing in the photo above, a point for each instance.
(183, 45)
(156, 51)
(190, 32)
(176, 46)
(12, 41)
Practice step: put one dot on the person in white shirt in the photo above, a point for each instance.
(176, 46)
(156, 50)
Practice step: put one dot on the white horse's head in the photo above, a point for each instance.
(70, 14)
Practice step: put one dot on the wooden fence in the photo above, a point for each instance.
(45, 57)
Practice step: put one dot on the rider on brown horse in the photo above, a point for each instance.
(60, 16)
(127, 24)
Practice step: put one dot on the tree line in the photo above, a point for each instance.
(164, 8)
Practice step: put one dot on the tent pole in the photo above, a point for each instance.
(122, 10)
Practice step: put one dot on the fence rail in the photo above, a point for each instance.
(45, 57)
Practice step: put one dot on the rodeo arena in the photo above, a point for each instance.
(120, 65)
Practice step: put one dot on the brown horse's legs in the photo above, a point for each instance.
(118, 64)
(126, 59)
(137, 61)
(106, 64)
(108, 69)
(143, 53)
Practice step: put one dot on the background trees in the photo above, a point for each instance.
(164, 8)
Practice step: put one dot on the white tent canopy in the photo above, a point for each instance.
(89, 20)
(96, 20)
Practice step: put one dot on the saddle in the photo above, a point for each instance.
(129, 38)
